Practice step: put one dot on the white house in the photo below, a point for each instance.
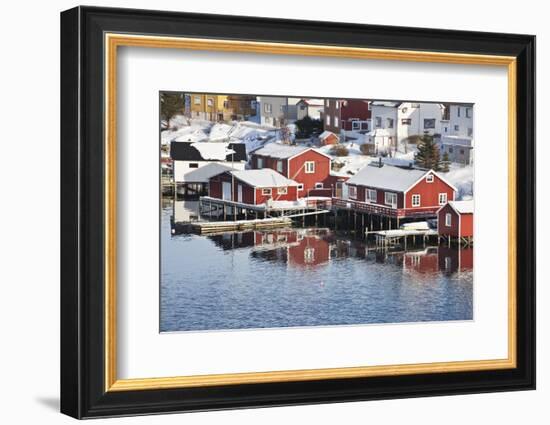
(188, 156)
(309, 107)
(384, 117)
(458, 120)
(271, 110)
(417, 119)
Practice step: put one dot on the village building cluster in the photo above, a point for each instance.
(283, 173)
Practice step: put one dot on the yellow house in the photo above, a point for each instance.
(203, 106)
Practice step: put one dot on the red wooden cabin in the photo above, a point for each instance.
(397, 191)
(306, 166)
(253, 187)
(355, 115)
(456, 219)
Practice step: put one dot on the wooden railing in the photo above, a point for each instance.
(383, 209)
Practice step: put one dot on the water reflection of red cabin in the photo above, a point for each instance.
(436, 259)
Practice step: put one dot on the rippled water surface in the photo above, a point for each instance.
(305, 277)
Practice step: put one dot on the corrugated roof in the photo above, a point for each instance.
(264, 177)
(202, 174)
(463, 207)
(280, 151)
(387, 177)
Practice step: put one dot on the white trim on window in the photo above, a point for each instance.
(352, 192)
(280, 165)
(301, 186)
(370, 195)
(319, 185)
(430, 178)
(416, 200)
(448, 219)
(390, 198)
(266, 191)
(442, 198)
(282, 190)
(309, 167)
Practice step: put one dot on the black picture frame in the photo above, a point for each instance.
(82, 219)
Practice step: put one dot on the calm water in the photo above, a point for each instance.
(303, 277)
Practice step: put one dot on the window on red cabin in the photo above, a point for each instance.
(260, 162)
(319, 185)
(300, 186)
(266, 192)
(282, 190)
(442, 198)
(280, 166)
(429, 178)
(448, 219)
(352, 192)
(370, 195)
(310, 167)
(416, 200)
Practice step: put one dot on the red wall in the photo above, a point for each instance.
(429, 193)
(380, 195)
(354, 109)
(292, 195)
(298, 174)
(451, 230)
(467, 225)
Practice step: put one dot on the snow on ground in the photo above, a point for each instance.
(463, 179)
(253, 135)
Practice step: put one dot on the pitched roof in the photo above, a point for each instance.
(280, 151)
(185, 151)
(202, 174)
(264, 177)
(462, 207)
(326, 134)
(387, 177)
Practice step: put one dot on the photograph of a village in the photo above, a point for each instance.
(281, 211)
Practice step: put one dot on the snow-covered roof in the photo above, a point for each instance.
(280, 151)
(264, 177)
(385, 103)
(212, 151)
(202, 174)
(313, 102)
(387, 177)
(457, 141)
(326, 134)
(463, 207)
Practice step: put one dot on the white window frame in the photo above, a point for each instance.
(335, 121)
(430, 178)
(416, 200)
(282, 191)
(309, 254)
(196, 100)
(352, 192)
(448, 220)
(337, 105)
(300, 186)
(328, 119)
(267, 108)
(280, 165)
(442, 198)
(266, 191)
(388, 197)
(309, 167)
(356, 125)
(260, 162)
(319, 185)
(369, 197)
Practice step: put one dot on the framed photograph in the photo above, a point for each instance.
(261, 212)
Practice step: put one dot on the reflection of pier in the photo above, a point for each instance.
(395, 237)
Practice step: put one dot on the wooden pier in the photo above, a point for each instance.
(209, 227)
